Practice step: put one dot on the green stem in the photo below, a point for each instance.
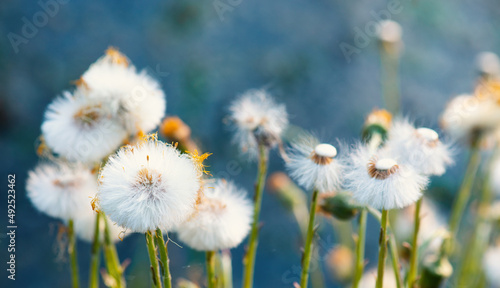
(72, 254)
(111, 257)
(160, 242)
(393, 246)
(463, 196)
(382, 252)
(249, 261)
(360, 248)
(412, 274)
(306, 260)
(390, 82)
(210, 257)
(95, 255)
(155, 269)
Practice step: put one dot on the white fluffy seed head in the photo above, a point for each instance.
(61, 190)
(312, 170)
(392, 188)
(256, 118)
(221, 221)
(420, 148)
(80, 128)
(136, 98)
(491, 265)
(148, 186)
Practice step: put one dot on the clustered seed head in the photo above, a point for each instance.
(383, 168)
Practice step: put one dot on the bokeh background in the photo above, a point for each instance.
(203, 58)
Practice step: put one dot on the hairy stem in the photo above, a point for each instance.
(162, 247)
(95, 255)
(360, 248)
(155, 269)
(412, 273)
(72, 254)
(382, 252)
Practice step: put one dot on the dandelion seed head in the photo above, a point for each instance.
(389, 31)
(314, 166)
(419, 147)
(60, 189)
(148, 186)
(256, 118)
(381, 181)
(222, 219)
(135, 97)
(81, 129)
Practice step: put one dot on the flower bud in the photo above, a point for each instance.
(379, 122)
(341, 206)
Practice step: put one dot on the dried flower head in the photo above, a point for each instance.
(380, 181)
(222, 219)
(60, 189)
(257, 119)
(136, 98)
(81, 129)
(419, 147)
(148, 186)
(314, 165)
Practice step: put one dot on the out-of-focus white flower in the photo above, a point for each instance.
(466, 114)
(380, 181)
(257, 119)
(222, 219)
(420, 148)
(314, 166)
(84, 226)
(369, 279)
(389, 31)
(491, 265)
(147, 186)
(81, 129)
(61, 190)
(136, 97)
(488, 63)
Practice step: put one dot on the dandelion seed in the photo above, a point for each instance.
(257, 120)
(314, 166)
(380, 181)
(81, 129)
(60, 189)
(419, 147)
(222, 219)
(148, 186)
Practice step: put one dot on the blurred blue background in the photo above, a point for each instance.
(206, 52)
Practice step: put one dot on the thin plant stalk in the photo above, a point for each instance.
(249, 261)
(227, 269)
(393, 247)
(412, 273)
(210, 259)
(463, 196)
(111, 257)
(306, 260)
(155, 268)
(382, 252)
(360, 249)
(72, 254)
(390, 81)
(95, 254)
(162, 247)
